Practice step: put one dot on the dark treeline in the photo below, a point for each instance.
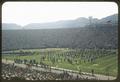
(92, 36)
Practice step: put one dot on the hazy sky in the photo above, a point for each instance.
(23, 13)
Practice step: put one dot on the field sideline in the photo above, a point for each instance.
(105, 61)
(60, 70)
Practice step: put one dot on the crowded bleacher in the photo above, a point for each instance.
(12, 72)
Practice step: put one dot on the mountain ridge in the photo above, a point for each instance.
(76, 23)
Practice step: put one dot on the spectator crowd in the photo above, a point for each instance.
(13, 72)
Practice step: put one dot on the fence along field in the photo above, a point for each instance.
(99, 61)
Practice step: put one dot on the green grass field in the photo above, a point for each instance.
(102, 61)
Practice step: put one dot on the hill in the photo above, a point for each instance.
(77, 23)
(10, 26)
(89, 37)
(94, 35)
